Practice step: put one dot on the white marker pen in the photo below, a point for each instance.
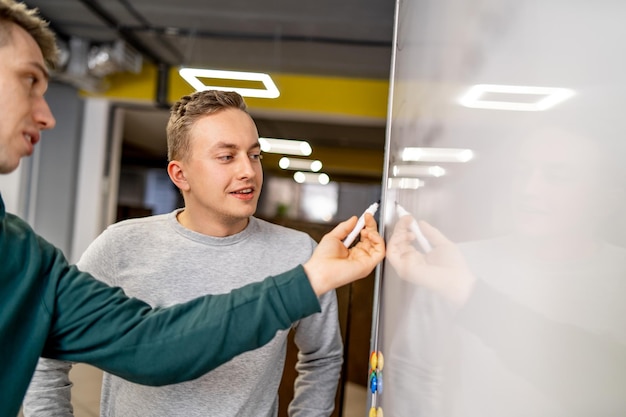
(421, 239)
(360, 224)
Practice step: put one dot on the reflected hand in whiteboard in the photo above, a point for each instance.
(414, 227)
(443, 269)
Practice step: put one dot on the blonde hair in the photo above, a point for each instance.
(186, 111)
(31, 22)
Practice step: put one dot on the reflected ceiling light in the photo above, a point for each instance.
(546, 97)
(285, 146)
(310, 177)
(405, 183)
(418, 171)
(437, 154)
(193, 75)
(297, 164)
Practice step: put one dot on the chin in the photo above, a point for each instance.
(243, 214)
(8, 167)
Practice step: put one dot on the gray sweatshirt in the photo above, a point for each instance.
(161, 262)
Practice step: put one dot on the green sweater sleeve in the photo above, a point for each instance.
(98, 324)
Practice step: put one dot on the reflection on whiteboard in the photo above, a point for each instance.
(504, 288)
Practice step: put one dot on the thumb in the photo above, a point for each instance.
(343, 229)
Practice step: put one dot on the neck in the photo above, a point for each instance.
(211, 226)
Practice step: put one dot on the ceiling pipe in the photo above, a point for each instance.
(163, 78)
(127, 35)
(263, 37)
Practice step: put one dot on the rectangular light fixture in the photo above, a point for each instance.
(404, 183)
(417, 171)
(285, 146)
(436, 154)
(311, 178)
(193, 77)
(296, 164)
(530, 98)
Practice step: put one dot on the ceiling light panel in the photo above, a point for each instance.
(436, 154)
(530, 98)
(196, 77)
(311, 178)
(418, 171)
(405, 183)
(300, 164)
(285, 146)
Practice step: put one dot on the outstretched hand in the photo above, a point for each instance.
(332, 265)
(443, 269)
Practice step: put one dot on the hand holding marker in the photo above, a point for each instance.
(421, 239)
(360, 224)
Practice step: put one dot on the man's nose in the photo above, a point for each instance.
(43, 115)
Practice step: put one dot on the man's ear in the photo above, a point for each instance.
(175, 169)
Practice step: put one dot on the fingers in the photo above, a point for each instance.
(344, 228)
(333, 265)
(370, 232)
(372, 243)
(370, 223)
(405, 221)
(400, 237)
(434, 236)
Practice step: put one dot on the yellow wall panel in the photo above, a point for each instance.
(305, 94)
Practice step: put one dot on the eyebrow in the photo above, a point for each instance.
(41, 68)
(226, 145)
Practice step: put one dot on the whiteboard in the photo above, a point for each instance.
(506, 135)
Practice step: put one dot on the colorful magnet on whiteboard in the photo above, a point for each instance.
(373, 382)
(373, 360)
(381, 361)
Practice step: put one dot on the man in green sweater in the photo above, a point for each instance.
(49, 308)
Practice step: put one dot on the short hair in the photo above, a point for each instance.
(186, 111)
(29, 20)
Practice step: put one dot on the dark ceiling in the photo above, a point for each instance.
(349, 38)
(343, 38)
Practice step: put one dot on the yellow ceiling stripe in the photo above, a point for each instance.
(317, 96)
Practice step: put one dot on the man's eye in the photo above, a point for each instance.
(31, 79)
(34, 78)
(256, 156)
(225, 158)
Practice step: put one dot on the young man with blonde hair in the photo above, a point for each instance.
(215, 160)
